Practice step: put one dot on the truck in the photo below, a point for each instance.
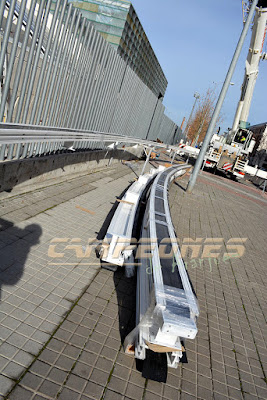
(230, 154)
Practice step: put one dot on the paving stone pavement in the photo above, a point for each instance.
(62, 320)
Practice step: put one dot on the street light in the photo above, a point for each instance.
(197, 96)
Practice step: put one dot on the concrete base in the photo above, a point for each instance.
(23, 174)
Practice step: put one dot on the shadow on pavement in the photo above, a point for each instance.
(103, 230)
(14, 254)
(180, 186)
(126, 297)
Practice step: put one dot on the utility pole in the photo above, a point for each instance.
(220, 101)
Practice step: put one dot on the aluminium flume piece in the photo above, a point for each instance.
(166, 304)
(117, 247)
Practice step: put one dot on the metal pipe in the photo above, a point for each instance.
(11, 60)
(220, 101)
(96, 86)
(2, 10)
(147, 160)
(6, 36)
(80, 114)
(18, 75)
(63, 105)
(91, 84)
(29, 64)
(59, 82)
(51, 63)
(103, 98)
(79, 87)
(44, 65)
(35, 64)
(118, 67)
(51, 92)
(197, 96)
(124, 66)
(101, 93)
(81, 62)
(10, 151)
(113, 90)
(63, 80)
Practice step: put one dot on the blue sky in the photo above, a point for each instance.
(194, 43)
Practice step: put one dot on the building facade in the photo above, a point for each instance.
(119, 24)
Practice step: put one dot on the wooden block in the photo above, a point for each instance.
(130, 349)
(126, 202)
(161, 349)
(85, 209)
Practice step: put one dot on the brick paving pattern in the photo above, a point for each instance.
(61, 325)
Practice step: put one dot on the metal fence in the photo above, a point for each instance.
(56, 70)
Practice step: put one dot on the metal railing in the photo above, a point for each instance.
(22, 141)
(57, 70)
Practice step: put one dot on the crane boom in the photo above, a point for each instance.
(255, 54)
(231, 154)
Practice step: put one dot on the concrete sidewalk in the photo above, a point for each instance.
(62, 318)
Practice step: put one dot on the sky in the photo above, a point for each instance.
(194, 43)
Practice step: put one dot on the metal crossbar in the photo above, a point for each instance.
(30, 136)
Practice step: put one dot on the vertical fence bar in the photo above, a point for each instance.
(35, 63)
(29, 63)
(115, 76)
(104, 96)
(59, 28)
(59, 85)
(79, 86)
(89, 85)
(90, 62)
(117, 95)
(104, 111)
(6, 36)
(97, 83)
(115, 89)
(74, 66)
(51, 92)
(44, 64)
(12, 59)
(2, 10)
(100, 93)
(81, 64)
(63, 88)
(18, 75)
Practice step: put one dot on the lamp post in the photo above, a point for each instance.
(197, 96)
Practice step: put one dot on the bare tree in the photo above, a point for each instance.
(202, 116)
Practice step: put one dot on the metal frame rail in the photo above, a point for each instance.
(14, 139)
(166, 304)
